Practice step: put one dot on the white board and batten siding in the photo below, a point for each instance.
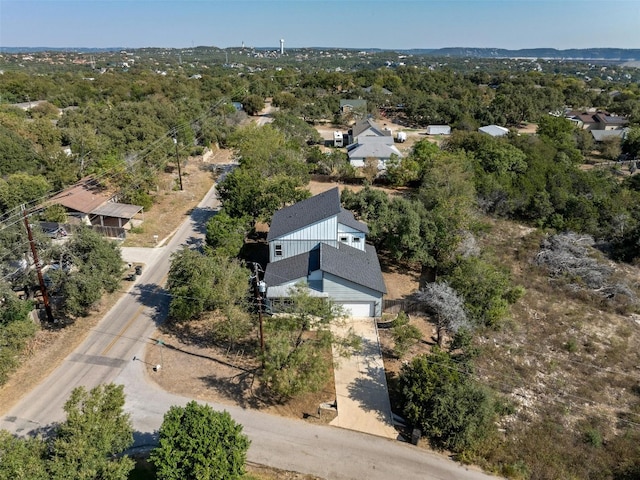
(358, 299)
(350, 236)
(304, 240)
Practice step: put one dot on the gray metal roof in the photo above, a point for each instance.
(382, 90)
(353, 103)
(117, 210)
(600, 135)
(385, 140)
(345, 217)
(354, 265)
(305, 212)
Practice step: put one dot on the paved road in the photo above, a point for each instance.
(110, 354)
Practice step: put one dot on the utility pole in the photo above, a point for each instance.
(259, 287)
(175, 141)
(34, 251)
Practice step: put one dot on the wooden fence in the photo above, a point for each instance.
(404, 305)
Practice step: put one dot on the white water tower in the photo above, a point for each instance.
(282, 46)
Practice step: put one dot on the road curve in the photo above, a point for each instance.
(112, 352)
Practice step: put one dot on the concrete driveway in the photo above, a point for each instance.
(362, 396)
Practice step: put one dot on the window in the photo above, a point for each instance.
(278, 250)
(344, 239)
(356, 239)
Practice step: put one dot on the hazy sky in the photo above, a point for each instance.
(306, 23)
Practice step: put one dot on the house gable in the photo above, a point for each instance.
(304, 213)
(368, 128)
(304, 239)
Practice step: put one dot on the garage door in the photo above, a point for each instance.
(363, 309)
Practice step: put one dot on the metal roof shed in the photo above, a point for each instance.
(494, 130)
(119, 211)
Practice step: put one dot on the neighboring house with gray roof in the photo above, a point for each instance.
(371, 141)
(381, 148)
(368, 128)
(354, 104)
(320, 244)
(382, 90)
(603, 135)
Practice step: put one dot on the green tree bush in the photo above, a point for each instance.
(297, 354)
(22, 459)
(486, 289)
(200, 283)
(404, 334)
(200, 443)
(16, 329)
(225, 234)
(98, 270)
(95, 431)
(440, 399)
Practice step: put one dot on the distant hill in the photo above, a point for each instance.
(57, 49)
(620, 54)
(613, 54)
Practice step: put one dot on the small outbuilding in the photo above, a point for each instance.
(494, 130)
(438, 130)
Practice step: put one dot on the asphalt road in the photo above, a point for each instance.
(112, 352)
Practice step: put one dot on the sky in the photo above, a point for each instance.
(387, 24)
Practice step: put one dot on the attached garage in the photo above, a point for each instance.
(359, 309)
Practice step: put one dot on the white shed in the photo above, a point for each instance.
(494, 130)
(438, 130)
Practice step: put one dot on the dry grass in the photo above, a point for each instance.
(562, 351)
(171, 205)
(195, 366)
(260, 472)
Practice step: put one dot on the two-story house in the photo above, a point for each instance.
(320, 244)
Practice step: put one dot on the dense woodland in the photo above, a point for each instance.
(119, 112)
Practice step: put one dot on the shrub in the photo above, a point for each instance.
(453, 411)
(404, 334)
(198, 442)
